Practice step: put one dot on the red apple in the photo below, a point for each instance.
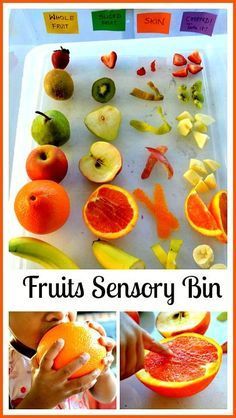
(134, 315)
(174, 323)
(102, 164)
(47, 162)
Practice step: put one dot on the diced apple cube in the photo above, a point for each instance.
(185, 115)
(210, 181)
(198, 166)
(200, 139)
(201, 187)
(212, 164)
(184, 126)
(206, 119)
(200, 127)
(192, 177)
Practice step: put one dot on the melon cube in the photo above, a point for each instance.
(210, 181)
(192, 177)
(200, 139)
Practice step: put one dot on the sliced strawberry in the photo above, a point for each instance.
(110, 59)
(141, 71)
(195, 57)
(194, 69)
(153, 66)
(179, 60)
(181, 73)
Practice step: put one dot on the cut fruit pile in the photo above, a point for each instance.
(197, 169)
(197, 125)
(195, 362)
(110, 212)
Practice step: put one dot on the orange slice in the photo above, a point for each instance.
(199, 217)
(195, 362)
(110, 212)
(218, 208)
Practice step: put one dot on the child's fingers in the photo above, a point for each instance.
(97, 327)
(48, 358)
(107, 342)
(152, 345)
(80, 384)
(34, 362)
(66, 371)
(107, 361)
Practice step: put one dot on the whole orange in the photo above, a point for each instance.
(42, 206)
(79, 338)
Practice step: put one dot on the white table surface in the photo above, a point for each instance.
(134, 395)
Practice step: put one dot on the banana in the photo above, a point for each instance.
(40, 252)
(203, 256)
(218, 266)
(111, 257)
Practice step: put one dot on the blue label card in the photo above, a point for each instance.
(199, 22)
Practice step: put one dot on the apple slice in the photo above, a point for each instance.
(201, 187)
(205, 119)
(200, 127)
(104, 122)
(102, 164)
(185, 115)
(174, 323)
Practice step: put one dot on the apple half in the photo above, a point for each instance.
(102, 164)
(173, 323)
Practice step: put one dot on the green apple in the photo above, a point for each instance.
(102, 164)
(104, 122)
(51, 127)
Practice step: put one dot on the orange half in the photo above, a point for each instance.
(199, 216)
(110, 212)
(195, 362)
(218, 208)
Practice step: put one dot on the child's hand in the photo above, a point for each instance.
(107, 342)
(50, 387)
(133, 341)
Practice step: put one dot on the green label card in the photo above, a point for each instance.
(113, 20)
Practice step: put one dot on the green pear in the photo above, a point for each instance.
(104, 122)
(51, 127)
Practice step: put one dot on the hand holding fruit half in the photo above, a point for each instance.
(133, 341)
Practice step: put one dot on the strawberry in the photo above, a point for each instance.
(60, 58)
(181, 73)
(141, 71)
(194, 69)
(110, 59)
(195, 57)
(179, 60)
(153, 66)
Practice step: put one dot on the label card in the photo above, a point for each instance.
(61, 22)
(199, 22)
(113, 20)
(153, 22)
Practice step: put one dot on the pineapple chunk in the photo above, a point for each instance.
(201, 187)
(210, 180)
(192, 177)
(185, 115)
(198, 166)
(205, 119)
(184, 126)
(200, 139)
(200, 127)
(212, 164)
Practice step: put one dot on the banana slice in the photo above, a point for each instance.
(203, 256)
(218, 266)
